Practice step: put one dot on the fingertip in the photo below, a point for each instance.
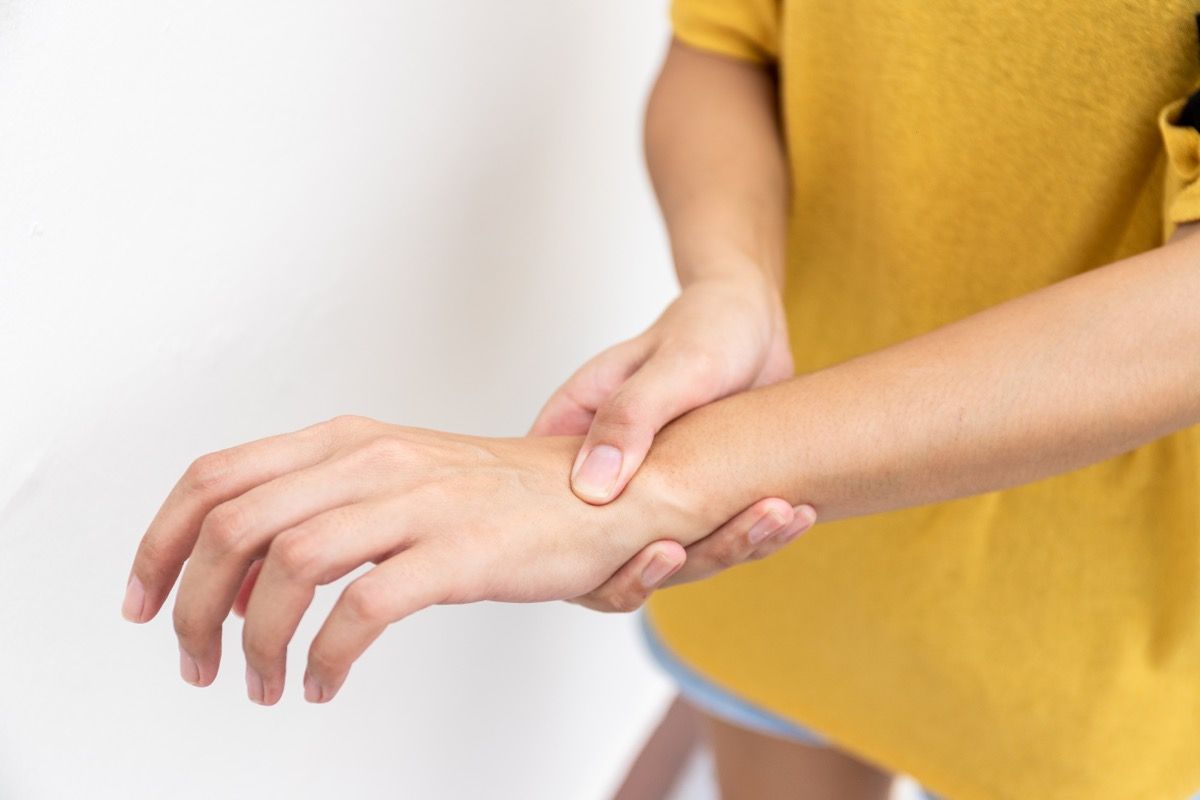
(152, 607)
(133, 607)
(668, 548)
(321, 690)
(313, 693)
(805, 519)
(663, 563)
(781, 509)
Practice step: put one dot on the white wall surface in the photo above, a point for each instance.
(221, 220)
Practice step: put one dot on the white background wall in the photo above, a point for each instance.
(221, 220)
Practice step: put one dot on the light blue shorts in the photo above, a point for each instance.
(723, 704)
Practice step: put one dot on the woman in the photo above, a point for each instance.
(971, 216)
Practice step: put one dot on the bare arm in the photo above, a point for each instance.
(1059, 378)
(716, 159)
(715, 156)
(1062, 377)
(1065, 376)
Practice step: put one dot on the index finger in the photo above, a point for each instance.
(208, 482)
(571, 408)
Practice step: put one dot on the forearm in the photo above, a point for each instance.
(715, 157)
(1057, 379)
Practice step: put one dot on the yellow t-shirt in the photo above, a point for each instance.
(1036, 643)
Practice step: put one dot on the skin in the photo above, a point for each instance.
(716, 159)
(716, 339)
(1065, 376)
(315, 504)
(1062, 377)
(751, 765)
(715, 154)
(748, 764)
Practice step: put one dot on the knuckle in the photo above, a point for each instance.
(336, 431)
(366, 602)
(624, 413)
(611, 366)
(627, 602)
(566, 398)
(616, 600)
(295, 555)
(225, 527)
(187, 628)
(207, 474)
(256, 649)
(344, 424)
(153, 557)
(323, 662)
(598, 599)
(764, 506)
(697, 361)
(726, 556)
(699, 371)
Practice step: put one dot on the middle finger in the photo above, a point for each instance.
(231, 537)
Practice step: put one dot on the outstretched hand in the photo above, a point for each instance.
(447, 518)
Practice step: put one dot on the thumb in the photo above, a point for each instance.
(570, 409)
(624, 426)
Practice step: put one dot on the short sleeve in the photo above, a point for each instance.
(1181, 190)
(746, 29)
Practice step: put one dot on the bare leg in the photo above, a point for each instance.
(751, 766)
(662, 759)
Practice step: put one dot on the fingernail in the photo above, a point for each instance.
(806, 516)
(312, 689)
(598, 472)
(795, 530)
(188, 669)
(135, 600)
(254, 684)
(657, 571)
(769, 524)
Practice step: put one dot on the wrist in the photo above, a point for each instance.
(750, 277)
(731, 266)
(678, 492)
(754, 291)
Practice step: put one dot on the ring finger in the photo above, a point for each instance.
(231, 536)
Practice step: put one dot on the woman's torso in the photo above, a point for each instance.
(1042, 641)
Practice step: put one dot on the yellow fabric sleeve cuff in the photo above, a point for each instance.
(1181, 191)
(744, 29)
